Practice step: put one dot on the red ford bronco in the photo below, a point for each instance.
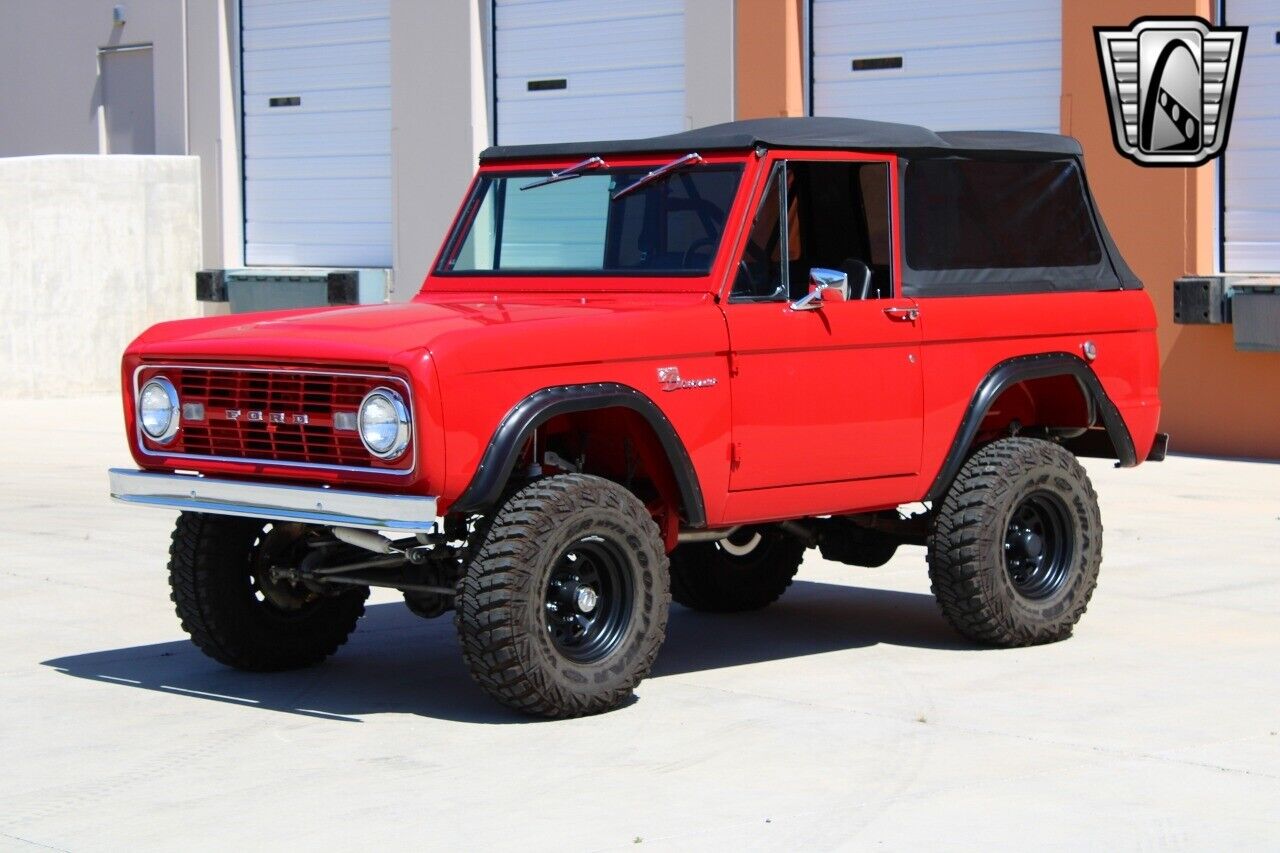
(663, 369)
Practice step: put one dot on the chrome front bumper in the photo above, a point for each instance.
(307, 504)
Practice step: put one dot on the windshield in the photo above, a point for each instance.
(516, 223)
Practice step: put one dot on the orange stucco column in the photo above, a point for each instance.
(1217, 400)
(768, 78)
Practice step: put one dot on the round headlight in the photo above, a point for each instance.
(383, 423)
(158, 410)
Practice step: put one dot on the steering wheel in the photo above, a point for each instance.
(699, 245)
(755, 266)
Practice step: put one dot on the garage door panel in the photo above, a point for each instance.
(1251, 196)
(365, 28)
(977, 88)
(622, 67)
(1256, 134)
(287, 14)
(533, 13)
(331, 167)
(870, 12)
(328, 255)
(606, 36)
(335, 58)
(1025, 114)
(621, 83)
(1260, 193)
(374, 102)
(1252, 99)
(981, 64)
(319, 79)
(319, 233)
(1253, 225)
(1024, 56)
(330, 209)
(311, 145)
(939, 26)
(268, 194)
(544, 61)
(1250, 257)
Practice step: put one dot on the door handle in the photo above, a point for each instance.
(903, 314)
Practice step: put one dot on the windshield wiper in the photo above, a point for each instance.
(574, 171)
(689, 159)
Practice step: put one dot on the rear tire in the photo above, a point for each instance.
(564, 608)
(710, 577)
(1016, 545)
(234, 613)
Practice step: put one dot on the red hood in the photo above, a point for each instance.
(498, 327)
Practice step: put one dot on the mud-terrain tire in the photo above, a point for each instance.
(1016, 545)
(707, 576)
(243, 620)
(528, 638)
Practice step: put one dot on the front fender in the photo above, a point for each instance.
(502, 453)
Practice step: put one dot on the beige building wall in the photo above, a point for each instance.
(213, 120)
(50, 94)
(92, 251)
(440, 109)
(710, 45)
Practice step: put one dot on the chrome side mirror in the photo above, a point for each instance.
(824, 286)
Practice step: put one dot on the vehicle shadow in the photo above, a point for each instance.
(396, 662)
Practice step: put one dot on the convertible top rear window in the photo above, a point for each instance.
(1001, 225)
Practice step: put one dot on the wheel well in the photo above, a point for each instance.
(617, 444)
(1054, 395)
(1057, 404)
(606, 429)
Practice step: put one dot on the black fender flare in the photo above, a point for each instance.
(1020, 369)
(499, 459)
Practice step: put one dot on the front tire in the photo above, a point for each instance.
(564, 608)
(1016, 546)
(747, 571)
(235, 614)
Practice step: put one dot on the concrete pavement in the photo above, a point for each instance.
(847, 716)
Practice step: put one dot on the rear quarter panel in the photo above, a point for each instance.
(966, 336)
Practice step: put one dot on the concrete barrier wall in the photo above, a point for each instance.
(93, 249)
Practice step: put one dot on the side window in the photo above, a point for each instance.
(844, 224)
(987, 215)
(837, 218)
(760, 270)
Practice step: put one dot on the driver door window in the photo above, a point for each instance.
(837, 218)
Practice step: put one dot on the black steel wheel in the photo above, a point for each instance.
(219, 574)
(564, 607)
(588, 599)
(1016, 544)
(747, 571)
(1039, 544)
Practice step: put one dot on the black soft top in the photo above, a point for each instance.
(841, 134)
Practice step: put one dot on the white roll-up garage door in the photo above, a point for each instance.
(979, 64)
(1251, 242)
(317, 132)
(587, 69)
